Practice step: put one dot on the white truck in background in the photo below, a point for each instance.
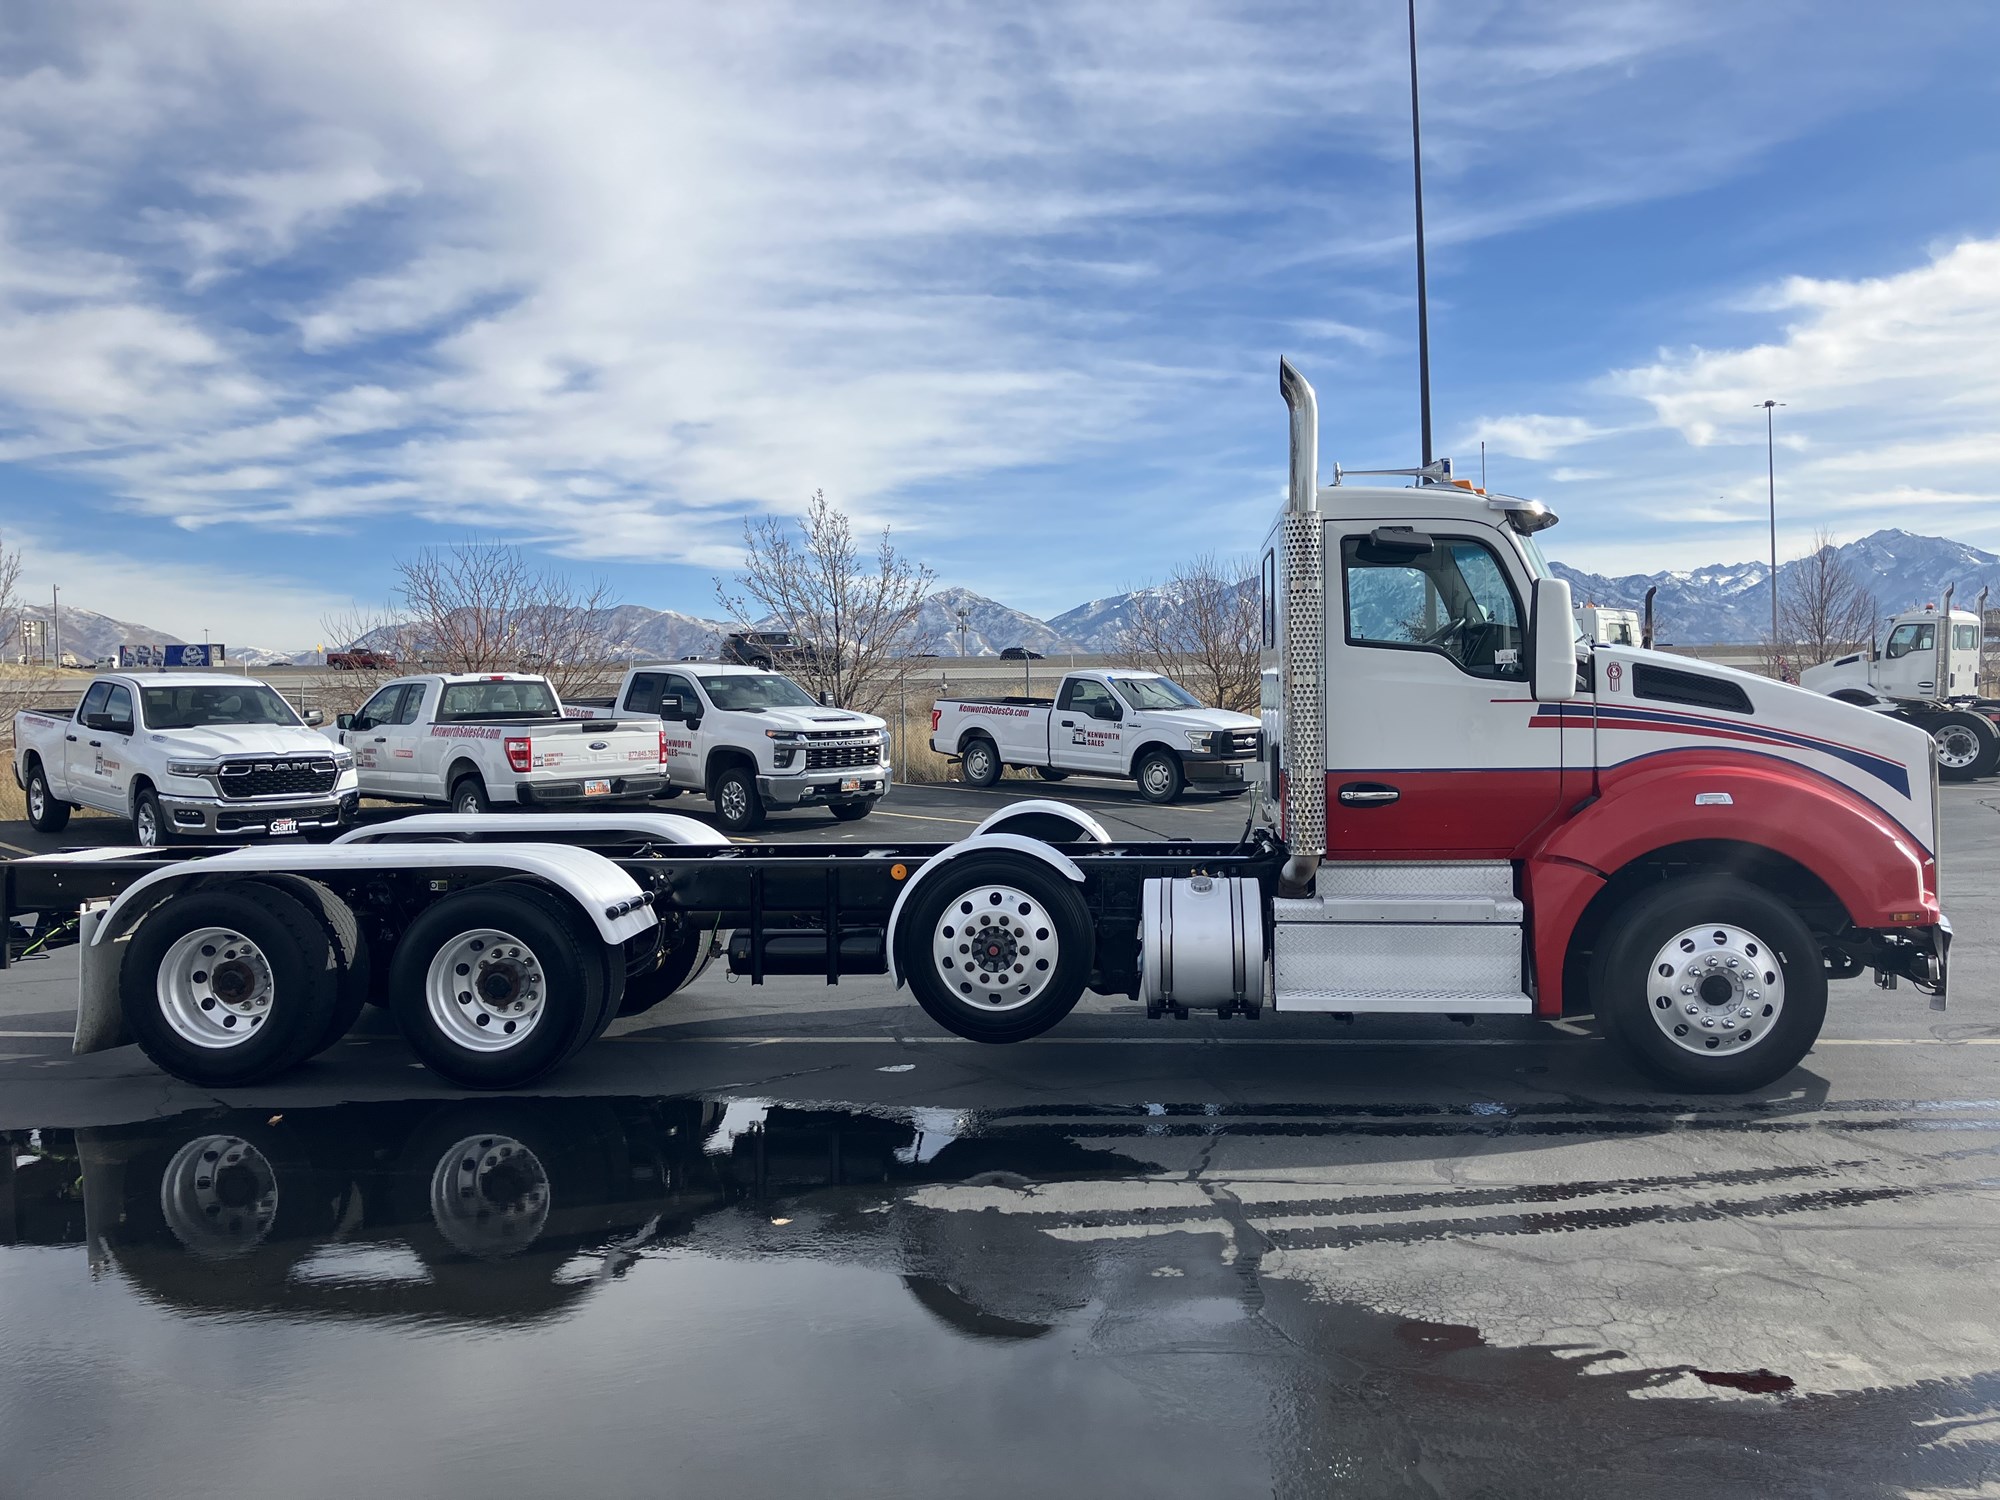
(1136, 725)
(1926, 674)
(183, 755)
(474, 740)
(1606, 625)
(752, 740)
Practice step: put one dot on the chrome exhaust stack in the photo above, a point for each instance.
(1304, 825)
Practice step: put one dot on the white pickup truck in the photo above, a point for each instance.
(183, 755)
(476, 739)
(751, 740)
(1127, 724)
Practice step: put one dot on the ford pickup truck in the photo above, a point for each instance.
(183, 755)
(751, 740)
(476, 739)
(1127, 724)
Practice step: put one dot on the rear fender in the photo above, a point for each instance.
(978, 843)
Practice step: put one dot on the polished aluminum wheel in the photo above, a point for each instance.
(485, 990)
(490, 1196)
(1716, 989)
(219, 1196)
(1958, 746)
(146, 823)
(996, 948)
(38, 798)
(215, 988)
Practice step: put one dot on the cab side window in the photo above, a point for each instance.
(643, 697)
(119, 707)
(676, 686)
(380, 709)
(412, 701)
(93, 701)
(1453, 600)
(1911, 637)
(1089, 698)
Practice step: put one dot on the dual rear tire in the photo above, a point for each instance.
(1968, 745)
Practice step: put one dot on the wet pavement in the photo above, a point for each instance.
(791, 1241)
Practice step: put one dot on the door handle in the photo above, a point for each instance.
(381, 739)
(97, 744)
(1367, 794)
(71, 738)
(1069, 723)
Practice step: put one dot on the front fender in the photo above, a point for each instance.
(977, 843)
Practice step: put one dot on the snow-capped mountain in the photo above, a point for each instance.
(991, 627)
(87, 635)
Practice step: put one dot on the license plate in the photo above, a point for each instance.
(284, 825)
(851, 785)
(597, 789)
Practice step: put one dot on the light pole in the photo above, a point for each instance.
(55, 623)
(1771, 490)
(964, 624)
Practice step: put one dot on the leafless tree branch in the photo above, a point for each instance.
(1202, 629)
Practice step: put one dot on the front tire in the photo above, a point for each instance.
(980, 759)
(45, 813)
(149, 820)
(996, 947)
(739, 808)
(851, 812)
(1710, 985)
(1968, 745)
(1160, 776)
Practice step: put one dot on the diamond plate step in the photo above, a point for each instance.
(1325, 965)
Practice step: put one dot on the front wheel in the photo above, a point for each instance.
(851, 812)
(996, 947)
(1968, 745)
(1160, 776)
(149, 820)
(738, 806)
(45, 813)
(1710, 985)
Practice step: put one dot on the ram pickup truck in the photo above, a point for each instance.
(183, 755)
(476, 739)
(751, 740)
(1127, 724)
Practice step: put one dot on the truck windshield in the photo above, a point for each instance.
(744, 693)
(465, 702)
(197, 707)
(1154, 692)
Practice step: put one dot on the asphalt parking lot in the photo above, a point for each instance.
(793, 1239)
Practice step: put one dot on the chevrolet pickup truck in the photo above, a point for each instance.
(1128, 724)
(751, 740)
(183, 755)
(476, 739)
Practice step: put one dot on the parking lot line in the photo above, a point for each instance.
(927, 818)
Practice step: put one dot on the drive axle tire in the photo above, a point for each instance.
(1710, 985)
(980, 760)
(231, 985)
(45, 813)
(739, 807)
(494, 988)
(350, 950)
(1160, 776)
(996, 947)
(686, 957)
(1968, 745)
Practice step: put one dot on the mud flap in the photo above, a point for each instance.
(100, 1019)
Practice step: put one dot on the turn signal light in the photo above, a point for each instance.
(663, 747)
(520, 755)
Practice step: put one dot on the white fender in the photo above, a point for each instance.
(977, 843)
(665, 828)
(609, 897)
(1092, 830)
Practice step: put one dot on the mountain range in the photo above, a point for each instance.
(1709, 605)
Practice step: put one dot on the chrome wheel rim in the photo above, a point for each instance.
(995, 948)
(215, 988)
(219, 1196)
(1958, 747)
(1159, 776)
(1716, 989)
(978, 763)
(38, 800)
(485, 990)
(734, 801)
(146, 823)
(490, 1196)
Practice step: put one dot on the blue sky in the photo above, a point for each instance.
(287, 289)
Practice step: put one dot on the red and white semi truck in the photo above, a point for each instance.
(1463, 810)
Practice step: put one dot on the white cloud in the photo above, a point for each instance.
(1533, 437)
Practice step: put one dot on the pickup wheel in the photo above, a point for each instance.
(45, 813)
(1160, 776)
(981, 761)
(996, 947)
(1710, 985)
(494, 988)
(1968, 745)
(229, 986)
(738, 807)
(149, 820)
(468, 795)
(850, 812)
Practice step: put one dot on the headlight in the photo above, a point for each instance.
(783, 734)
(194, 768)
(1199, 739)
(343, 760)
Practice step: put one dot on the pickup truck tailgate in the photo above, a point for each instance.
(585, 747)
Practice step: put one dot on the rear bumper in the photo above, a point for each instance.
(821, 787)
(209, 817)
(545, 793)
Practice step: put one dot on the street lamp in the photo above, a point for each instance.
(964, 624)
(1771, 489)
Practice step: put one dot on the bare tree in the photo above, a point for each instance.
(854, 616)
(484, 607)
(1823, 612)
(1202, 628)
(10, 598)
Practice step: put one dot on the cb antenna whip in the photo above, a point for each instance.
(1423, 297)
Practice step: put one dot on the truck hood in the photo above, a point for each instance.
(238, 739)
(819, 720)
(1200, 718)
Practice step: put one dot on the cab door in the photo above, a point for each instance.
(1435, 749)
(367, 735)
(401, 739)
(1086, 730)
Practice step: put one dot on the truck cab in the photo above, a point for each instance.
(1925, 674)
